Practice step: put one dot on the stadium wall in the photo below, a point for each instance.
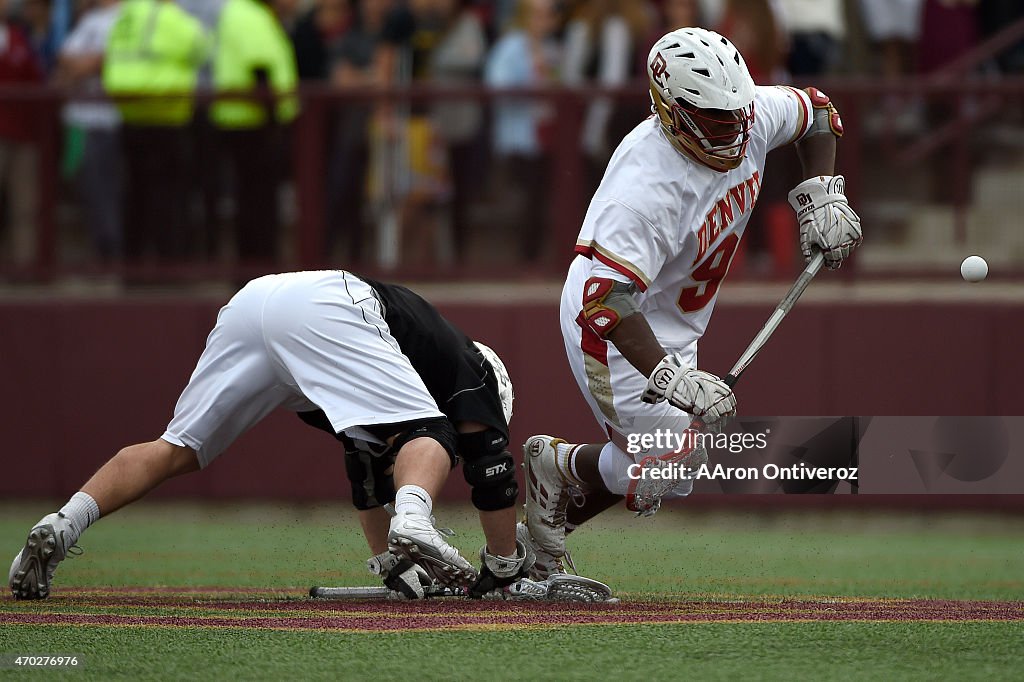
(84, 378)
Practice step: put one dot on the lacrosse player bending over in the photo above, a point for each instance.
(472, 388)
(366, 360)
(654, 248)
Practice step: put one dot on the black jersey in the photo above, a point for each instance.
(454, 372)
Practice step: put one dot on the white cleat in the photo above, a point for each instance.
(48, 543)
(547, 495)
(414, 537)
(546, 565)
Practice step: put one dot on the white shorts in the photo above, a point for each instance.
(301, 341)
(612, 388)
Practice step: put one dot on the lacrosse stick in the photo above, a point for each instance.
(647, 500)
(785, 305)
(559, 587)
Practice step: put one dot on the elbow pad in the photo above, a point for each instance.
(606, 302)
(824, 118)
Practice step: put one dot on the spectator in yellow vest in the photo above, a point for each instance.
(254, 56)
(152, 63)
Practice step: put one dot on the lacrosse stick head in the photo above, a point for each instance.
(645, 492)
(565, 587)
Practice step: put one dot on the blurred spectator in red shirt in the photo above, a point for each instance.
(949, 28)
(18, 154)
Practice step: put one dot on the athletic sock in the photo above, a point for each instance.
(412, 499)
(82, 511)
(566, 463)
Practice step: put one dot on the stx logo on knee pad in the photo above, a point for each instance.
(496, 469)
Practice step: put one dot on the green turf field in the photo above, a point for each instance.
(711, 563)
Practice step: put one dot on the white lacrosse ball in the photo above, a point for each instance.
(974, 269)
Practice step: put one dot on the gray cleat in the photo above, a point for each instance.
(48, 543)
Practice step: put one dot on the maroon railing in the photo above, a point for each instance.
(956, 116)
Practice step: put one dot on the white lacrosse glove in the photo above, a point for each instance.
(826, 219)
(403, 577)
(499, 571)
(699, 393)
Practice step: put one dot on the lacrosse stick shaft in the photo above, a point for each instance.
(785, 305)
(375, 592)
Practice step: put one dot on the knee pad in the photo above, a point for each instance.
(438, 428)
(490, 469)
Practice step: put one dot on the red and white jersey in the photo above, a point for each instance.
(671, 224)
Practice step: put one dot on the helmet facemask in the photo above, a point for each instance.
(714, 137)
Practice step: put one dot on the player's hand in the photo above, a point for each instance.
(826, 220)
(401, 575)
(701, 394)
(498, 571)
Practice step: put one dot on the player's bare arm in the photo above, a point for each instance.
(610, 311)
(826, 220)
(817, 154)
(635, 339)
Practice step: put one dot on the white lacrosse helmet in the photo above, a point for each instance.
(505, 392)
(703, 95)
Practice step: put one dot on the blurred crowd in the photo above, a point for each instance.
(190, 178)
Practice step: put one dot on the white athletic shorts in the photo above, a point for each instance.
(612, 388)
(301, 341)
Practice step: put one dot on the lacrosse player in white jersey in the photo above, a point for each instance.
(372, 363)
(655, 245)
